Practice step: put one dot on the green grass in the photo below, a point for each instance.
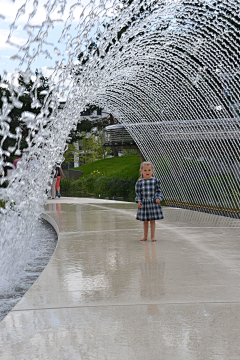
(195, 165)
(111, 177)
(124, 167)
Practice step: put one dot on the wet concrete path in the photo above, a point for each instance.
(105, 295)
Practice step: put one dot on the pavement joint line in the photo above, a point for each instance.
(98, 288)
(137, 229)
(132, 304)
(203, 227)
(114, 209)
(97, 231)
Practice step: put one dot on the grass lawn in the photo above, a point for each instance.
(124, 167)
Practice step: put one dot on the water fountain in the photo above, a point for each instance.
(40, 250)
(168, 70)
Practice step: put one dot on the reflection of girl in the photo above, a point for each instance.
(58, 176)
(148, 197)
(152, 273)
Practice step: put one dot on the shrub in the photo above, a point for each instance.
(4, 185)
(112, 177)
(68, 185)
(105, 186)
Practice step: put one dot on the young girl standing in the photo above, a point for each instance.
(148, 197)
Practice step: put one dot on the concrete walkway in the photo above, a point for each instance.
(104, 295)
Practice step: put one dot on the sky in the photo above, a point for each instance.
(8, 12)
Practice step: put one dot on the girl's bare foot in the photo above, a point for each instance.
(154, 240)
(143, 239)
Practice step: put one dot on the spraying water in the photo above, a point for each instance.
(168, 70)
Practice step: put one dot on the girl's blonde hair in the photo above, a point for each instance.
(145, 163)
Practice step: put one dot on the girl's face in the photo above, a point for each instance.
(147, 171)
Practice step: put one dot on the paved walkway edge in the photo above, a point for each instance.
(52, 222)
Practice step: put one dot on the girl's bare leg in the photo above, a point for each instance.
(145, 231)
(152, 224)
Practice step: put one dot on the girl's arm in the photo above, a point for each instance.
(158, 191)
(138, 198)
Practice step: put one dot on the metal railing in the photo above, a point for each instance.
(203, 129)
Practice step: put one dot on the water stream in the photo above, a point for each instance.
(43, 243)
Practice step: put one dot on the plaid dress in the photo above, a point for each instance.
(147, 191)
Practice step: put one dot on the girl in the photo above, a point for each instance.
(148, 197)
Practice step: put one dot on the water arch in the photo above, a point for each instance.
(168, 70)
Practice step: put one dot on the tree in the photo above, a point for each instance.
(70, 154)
(146, 8)
(29, 99)
(87, 126)
(91, 148)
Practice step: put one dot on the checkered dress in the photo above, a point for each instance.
(147, 192)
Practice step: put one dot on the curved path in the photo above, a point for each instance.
(104, 295)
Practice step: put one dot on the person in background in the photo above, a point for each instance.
(16, 161)
(54, 180)
(58, 173)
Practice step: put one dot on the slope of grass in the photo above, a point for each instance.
(124, 167)
(112, 178)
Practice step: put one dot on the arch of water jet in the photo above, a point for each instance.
(171, 76)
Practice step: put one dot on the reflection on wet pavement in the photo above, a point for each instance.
(105, 295)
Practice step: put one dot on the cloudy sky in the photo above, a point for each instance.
(8, 11)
